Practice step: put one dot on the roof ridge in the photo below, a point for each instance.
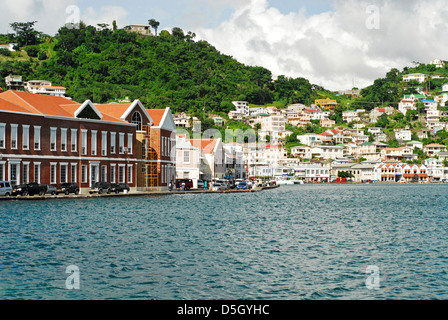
(31, 108)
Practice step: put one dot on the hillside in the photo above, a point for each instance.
(170, 69)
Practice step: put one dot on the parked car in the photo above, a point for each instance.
(188, 183)
(49, 189)
(67, 188)
(101, 187)
(200, 184)
(5, 188)
(29, 189)
(242, 186)
(220, 186)
(120, 187)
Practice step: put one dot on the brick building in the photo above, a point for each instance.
(52, 140)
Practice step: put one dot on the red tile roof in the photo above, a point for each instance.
(19, 101)
(156, 115)
(206, 145)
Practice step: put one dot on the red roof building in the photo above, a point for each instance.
(54, 140)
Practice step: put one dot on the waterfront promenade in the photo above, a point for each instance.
(133, 194)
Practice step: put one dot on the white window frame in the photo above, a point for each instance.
(130, 173)
(103, 173)
(74, 140)
(62, 165)
(94, 142)
(113, 142)
(3, 135)
(104, 143)
(113, 173)
(84, 173)
(26, 172)
(37, 172)
(53, 169)
(2, 170)
(84, 142)
(14, 136)
(74, 172)
(37, 144)
(121, 169)
(121, 143)
(64, 140)
(189, 157)
(130, 143)
(25, 137)
(53, 139)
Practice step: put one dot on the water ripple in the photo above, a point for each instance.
(298, 242)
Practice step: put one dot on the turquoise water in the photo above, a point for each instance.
(293, 243)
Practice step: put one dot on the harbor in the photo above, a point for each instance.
(307, 242)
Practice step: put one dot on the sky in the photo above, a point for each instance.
(337, 44)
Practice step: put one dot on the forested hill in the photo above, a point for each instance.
(171, 69)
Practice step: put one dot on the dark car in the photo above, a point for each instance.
(120, 187)
(101, 187)
(29, 189)
(67, 188)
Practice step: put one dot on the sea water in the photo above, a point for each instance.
(300, 242)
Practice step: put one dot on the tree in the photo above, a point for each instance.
(154, 24)
(114, 26)
(178, 33)
(26, 35)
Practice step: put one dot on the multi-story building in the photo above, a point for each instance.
(188, 160)
(434, 149)
(53, 140)
(420, 77)
(242, 107)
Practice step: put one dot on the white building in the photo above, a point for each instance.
(403, 135)
(435, 169)
(405, 105)
(328, 152)
(310, 139)
(420, 77)
(44, 87)
(351, 116)
(188, 160)
(242, 107)
(438, 63)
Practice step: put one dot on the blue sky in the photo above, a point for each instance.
(333, 43)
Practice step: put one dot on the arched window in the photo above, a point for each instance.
(137, 119)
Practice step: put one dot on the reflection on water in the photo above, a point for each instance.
(295, 242)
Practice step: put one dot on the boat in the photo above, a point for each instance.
(285, 182)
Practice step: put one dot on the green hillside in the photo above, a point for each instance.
(168, 70)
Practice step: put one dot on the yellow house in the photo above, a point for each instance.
(327, 104)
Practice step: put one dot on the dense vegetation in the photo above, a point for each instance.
(170, 69)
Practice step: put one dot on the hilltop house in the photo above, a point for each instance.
(420, 77)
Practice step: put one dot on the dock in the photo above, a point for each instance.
(133, 194)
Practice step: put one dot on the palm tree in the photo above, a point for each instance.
(154, 24)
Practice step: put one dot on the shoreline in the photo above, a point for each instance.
(132, 194)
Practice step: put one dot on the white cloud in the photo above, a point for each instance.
(49, 14)
(52, 14)
(335, 48)
(106, 14)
